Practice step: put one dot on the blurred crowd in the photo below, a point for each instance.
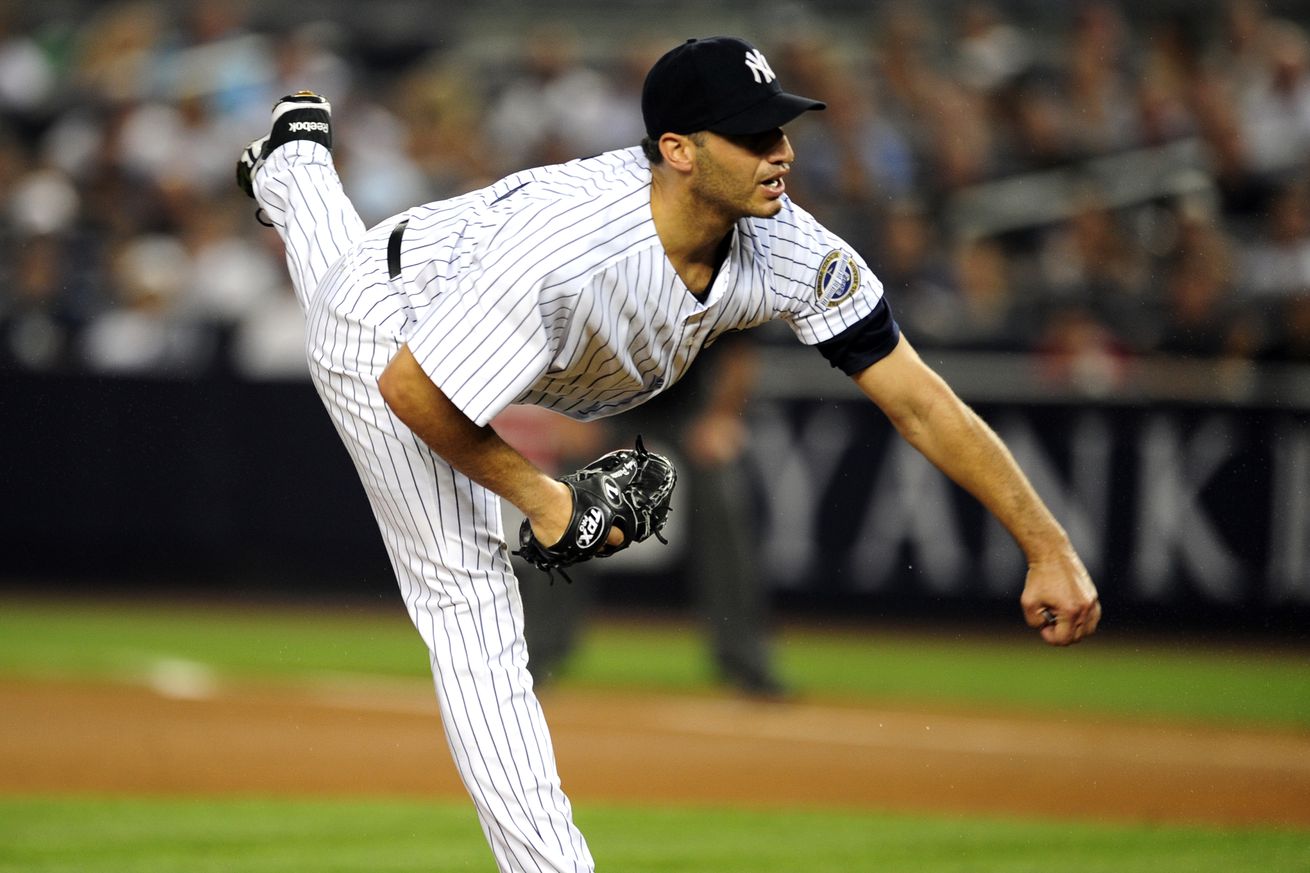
(1102, 185)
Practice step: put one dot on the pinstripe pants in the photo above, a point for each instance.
(443, 532)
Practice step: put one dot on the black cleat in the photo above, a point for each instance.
(303, 115)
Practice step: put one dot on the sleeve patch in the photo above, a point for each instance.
(839, 277)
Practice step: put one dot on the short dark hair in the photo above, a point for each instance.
(650, 146)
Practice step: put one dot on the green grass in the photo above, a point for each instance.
(48, 835)
(1107, 676)
(117, 640)
(1102, 676)
(1010, 670)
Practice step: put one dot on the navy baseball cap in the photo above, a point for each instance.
(721, 84)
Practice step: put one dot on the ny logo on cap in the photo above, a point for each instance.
(759, 67)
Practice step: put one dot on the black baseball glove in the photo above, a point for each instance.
(629, 489)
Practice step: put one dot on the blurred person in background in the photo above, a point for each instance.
(1099, 70)
(1244, 193)
(946, 124)
(965, 146)
(1265, 278)
(47, 293)
(1274, 110)
(147, 331)
(116, 53)
(173, 144)
(1034, 127)
(1288, 340)
(901, 60)
(1091, 263)
(1250, 98)
(1237, 53)
(918, 274)
(230, 275)
(635, 57)
(310, 50)
(1201, 318)
(989, 51)
(857, 159)
(1172, 65)
(1077, 351)
(1204, 317)
(556, 107)
(28, 76)
(385, 175)
(211, 52)
(1277, 263)
(37, 318)
(991, 310)
(727, 575)
(1162, 112)
(440, 104)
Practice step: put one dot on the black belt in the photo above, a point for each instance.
(393, 248)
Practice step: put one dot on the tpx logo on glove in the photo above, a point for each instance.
(590, 527)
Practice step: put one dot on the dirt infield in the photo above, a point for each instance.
(365, 739)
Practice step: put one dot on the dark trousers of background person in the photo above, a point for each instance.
(730, 596)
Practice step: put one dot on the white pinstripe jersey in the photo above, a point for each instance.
(550, 287)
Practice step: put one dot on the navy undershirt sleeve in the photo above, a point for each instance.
(866, 342)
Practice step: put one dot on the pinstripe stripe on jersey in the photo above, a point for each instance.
(580, 238)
